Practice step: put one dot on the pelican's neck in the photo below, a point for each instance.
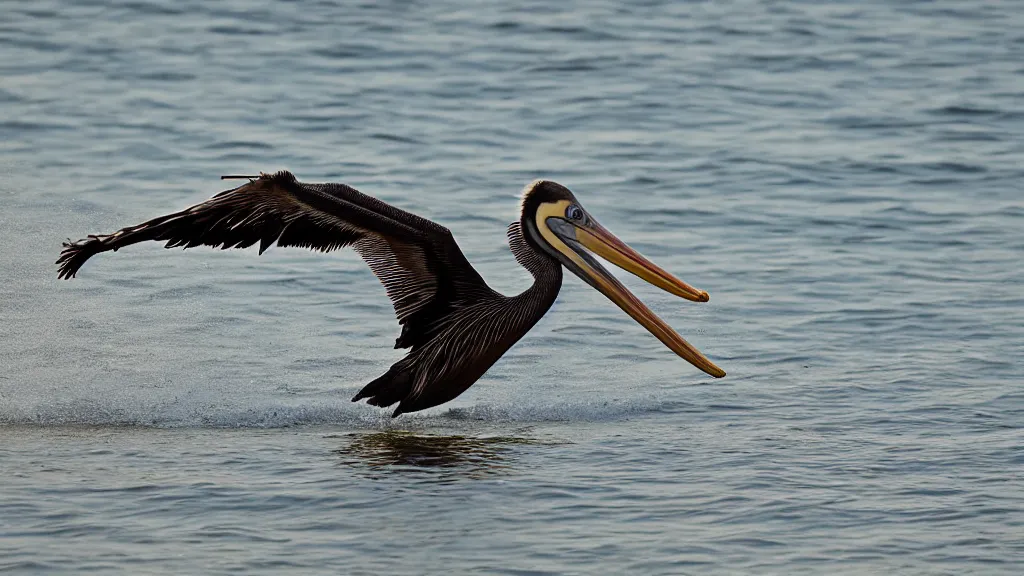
(546, 271)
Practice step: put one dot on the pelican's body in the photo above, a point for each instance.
(455, 326)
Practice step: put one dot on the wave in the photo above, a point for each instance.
(274, 413)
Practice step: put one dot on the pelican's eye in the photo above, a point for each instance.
(574, 212)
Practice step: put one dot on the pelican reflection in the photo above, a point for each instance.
(401, 448)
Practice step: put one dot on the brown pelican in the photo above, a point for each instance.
(453, 323)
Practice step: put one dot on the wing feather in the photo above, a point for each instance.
(423, 271)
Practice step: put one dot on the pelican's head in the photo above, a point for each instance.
(553, 221)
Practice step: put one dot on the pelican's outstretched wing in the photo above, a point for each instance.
(423, 270)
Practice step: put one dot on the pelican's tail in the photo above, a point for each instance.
(390, 387)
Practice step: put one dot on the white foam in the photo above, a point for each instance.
(268, 412)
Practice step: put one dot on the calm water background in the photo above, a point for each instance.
(844, 179)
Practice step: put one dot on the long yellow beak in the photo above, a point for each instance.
(600, 241)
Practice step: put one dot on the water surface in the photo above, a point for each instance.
(844, 179)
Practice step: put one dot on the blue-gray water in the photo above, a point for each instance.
(844, 179)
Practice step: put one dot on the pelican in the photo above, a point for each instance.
(454, 325)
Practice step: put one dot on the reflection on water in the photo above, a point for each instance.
(463, 455)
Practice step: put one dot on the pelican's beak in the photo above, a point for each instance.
(579, 238)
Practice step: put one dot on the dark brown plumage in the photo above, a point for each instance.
(455, 326)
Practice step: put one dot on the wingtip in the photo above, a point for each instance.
(75, 254)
